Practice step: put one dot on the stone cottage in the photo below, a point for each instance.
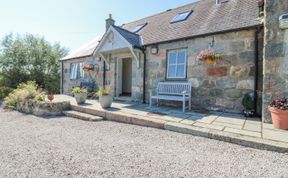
(132, 58)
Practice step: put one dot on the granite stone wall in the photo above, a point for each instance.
(219, 86)
(97, 77)
(275, 55)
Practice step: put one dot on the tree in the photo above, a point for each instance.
(26, 57)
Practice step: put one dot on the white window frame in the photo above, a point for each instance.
(177, 51)
(79, 71)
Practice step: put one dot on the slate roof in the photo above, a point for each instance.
(132, 38)
(207, 18)
(84, 51)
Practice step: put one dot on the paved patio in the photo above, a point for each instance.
(206, 121)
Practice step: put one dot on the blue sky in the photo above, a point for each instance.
(73, 23)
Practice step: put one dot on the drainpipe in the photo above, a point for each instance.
(104, 73)
(256, 58)
(62, 77)
(144, 75)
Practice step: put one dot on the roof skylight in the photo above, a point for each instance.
(138, 27)
(181, 16)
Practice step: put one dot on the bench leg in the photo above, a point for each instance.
(150, 102)
(184, 104)
(189, 104)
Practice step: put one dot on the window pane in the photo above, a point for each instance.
(181, 57)
(138, 28)
(81, 70)
(180, 71)
(171, 71)
(172, 58)
(73, 72)
(181, 16)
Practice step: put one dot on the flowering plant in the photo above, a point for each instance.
(88, 67)
(209, 55)
(280, 103)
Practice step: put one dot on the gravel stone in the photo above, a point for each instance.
(65, 147)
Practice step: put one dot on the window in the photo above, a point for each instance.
(176, 64)
(76, 71)
(181, 16)
(138, 27)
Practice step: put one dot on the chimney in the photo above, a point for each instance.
(109, 22)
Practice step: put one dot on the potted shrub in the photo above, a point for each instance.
(80, 95)
(279, 113)
(248, 104)
(105, 98)
(209, 57)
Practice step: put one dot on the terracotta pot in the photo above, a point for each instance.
(209, 61)
(50, 97)
(279, 118)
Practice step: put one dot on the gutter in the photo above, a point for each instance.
(206, 34)
(104, 73)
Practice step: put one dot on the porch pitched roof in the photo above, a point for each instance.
(133, 38)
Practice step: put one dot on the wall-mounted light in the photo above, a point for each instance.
(154, 49)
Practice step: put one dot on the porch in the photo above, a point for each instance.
(217, 125)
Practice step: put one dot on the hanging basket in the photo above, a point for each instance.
(209, 57)
(88, 67)
(209, 61)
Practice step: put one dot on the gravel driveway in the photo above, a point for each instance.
(66, 147)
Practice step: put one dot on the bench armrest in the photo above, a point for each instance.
(186, 93)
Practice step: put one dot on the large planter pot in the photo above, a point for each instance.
(80, 97)
(105, 101)
(279, 118)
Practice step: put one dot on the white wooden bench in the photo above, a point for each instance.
(173, 91)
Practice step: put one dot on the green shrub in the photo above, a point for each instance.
(40, 97)
(102, 92)
(248, 102)
(24, 92)
(79, 90)
(4, 92)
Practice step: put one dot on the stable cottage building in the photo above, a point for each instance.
(133, 58)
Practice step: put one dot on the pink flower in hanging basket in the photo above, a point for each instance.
(209, 55)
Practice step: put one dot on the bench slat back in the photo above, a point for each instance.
(173, 88)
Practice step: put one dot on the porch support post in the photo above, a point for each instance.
(135, 57)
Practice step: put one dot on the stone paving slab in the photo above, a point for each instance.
(243, 132)
(232, 120)
(256, 127)
(238, 126)
(209, 126)
(208, 119)
(275, 135)
(187, 122)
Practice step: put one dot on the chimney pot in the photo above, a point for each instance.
(109, 22)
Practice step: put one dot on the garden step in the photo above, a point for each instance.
(82, 116)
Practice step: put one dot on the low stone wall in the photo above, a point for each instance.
(43, 108)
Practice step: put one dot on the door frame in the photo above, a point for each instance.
(119, 68)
